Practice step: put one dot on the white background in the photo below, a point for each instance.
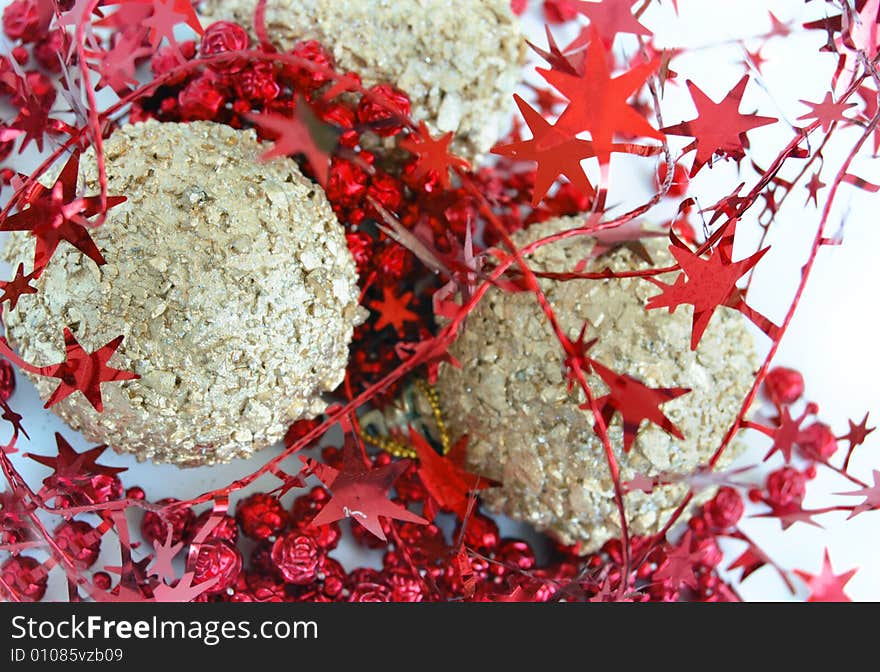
(832, 339)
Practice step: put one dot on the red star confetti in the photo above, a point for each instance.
(718, 128)
(828, 112)
(81, 371)
(609, 18)
(826, 586)
(69, 464)
(706, 284)
(555, 152)
(448, 484)
(393, 310)
(636, 402)
(17, 287)
(55, 214)
(292, 136)
(360, 493)
(598, 102)
(432, 154)
(870, 493)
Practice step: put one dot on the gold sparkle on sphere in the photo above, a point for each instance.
(525, 428)
(230, 280)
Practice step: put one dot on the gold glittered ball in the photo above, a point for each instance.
(526, 429)
(457, 60)
(230, 280)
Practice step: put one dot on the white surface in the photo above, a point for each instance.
(832, 339)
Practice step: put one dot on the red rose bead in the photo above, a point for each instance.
(216, 558)
(306, 507)
(369, 591)
(302, 77)
(26, 578)
(261, 516)
(7, 371)
(21, 21)
(202, 98)
(786, 487)
(223, 36)
(296, 556)
(361, 246)
(103, 488)
(47, 49)
(257, 83)
(181, 520)
(405, 587)
(299, 429)
(725, 509)
(166, 59)
(784, 386)
(225, 530)
(817, 442)
(264, 588)
(80, 542)
(385, 110)
(102, 580)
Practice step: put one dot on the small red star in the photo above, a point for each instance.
(360, 493)
(292, 136)
(393, 310)
(84, 371)
(432, 154)
(813, 186)
(55, 214)
(17, 287)
(827, 586)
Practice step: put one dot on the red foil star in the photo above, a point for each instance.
(84, 371)
(360, 493)
(55, 214)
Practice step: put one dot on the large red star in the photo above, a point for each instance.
(826, 586)
(556, 153)
(360, 493)
(705, 284)
(718, 127)
(598, 101)
(55, 214)
(636, 402)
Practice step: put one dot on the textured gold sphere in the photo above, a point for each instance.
(525, 428)
(230, 280)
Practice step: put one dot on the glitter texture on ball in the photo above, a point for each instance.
(458, 61)
(230, 280)
(526, 430)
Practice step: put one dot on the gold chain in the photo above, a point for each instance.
(401, 449)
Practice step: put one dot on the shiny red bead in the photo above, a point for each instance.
(786, 487)
(79, 541)
(297, 557)
(25, 577)
(180, 520)
(784, 386)
(817, 442)
(261, 516)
